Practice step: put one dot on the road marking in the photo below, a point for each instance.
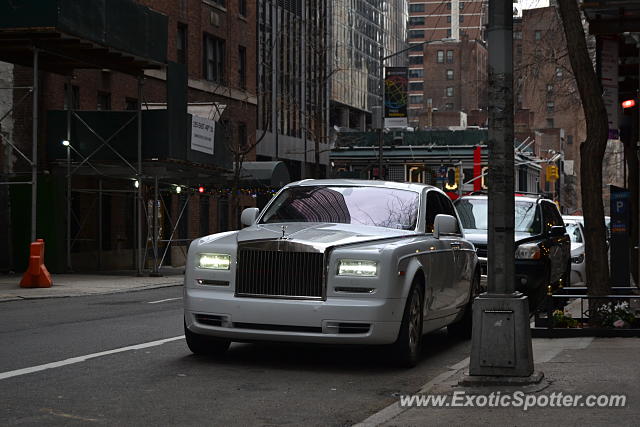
(73, 360)
(163, 300)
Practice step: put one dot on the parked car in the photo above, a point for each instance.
(334, 261)
(576, 234)
(543, 248)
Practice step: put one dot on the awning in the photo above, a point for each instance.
(266, 174)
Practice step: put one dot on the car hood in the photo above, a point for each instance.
(478, 237)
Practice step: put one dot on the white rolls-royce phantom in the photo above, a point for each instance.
(334, 261)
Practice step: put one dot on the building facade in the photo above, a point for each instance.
(215, 41)
(448, 62)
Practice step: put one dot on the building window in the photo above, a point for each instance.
(440, 57)
(75, 97)
(559, 72)
(519, 49)
(130, 104)
(415, 99)
(416, 47)
(416, 73)
(416, 7)
(416, 20)
(448, 106)
(104, 101)
(242, 66)
(569, 139)
(517, 35)
(461, 19)
(416, 34)
(181, 44)
(219, 2)
(449, 57)
(213, 58)
(242, 136)
(549, 89)
(242, 7)
(550, 107)
(418, 59)
(537, 35)
(550, 123)
(449, 33)
(461, 5)
(449, 74)
(449, 5)
(449, 18)
(416, 86)
(449, 91)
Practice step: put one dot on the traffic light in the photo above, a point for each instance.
(552, 173)
(485, 177)
(453, 175)
(201, 189)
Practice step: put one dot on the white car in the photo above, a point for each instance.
(575, 230)
(334, 261)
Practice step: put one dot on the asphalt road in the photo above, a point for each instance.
(164, 384)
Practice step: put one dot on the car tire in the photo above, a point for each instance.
(406, 349)
(205, 345)
(463, 328)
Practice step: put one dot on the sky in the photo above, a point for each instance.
(530, 4)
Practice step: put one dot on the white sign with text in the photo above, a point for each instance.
(202, 134)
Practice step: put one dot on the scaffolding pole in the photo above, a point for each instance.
(34, 159)
(139, 177)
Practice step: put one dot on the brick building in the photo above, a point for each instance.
(448, 73)
(216, 41)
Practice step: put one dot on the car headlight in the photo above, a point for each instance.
(528, 251)
(578, 259)
(214, 261)
(355, 267)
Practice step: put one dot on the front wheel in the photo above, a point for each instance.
(205, 345)
(406, 349)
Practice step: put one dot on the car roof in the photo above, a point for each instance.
(363, 183)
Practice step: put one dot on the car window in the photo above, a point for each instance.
(433, 209)
(376, 206)
(551, 216)
(474, 215)
(446, 207)
(573, 229)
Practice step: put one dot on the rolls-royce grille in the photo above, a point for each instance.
(280, 274)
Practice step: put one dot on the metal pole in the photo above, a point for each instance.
(155, 227)
(69, 107)
(139, 178)
(34, 158)
(501, 344)
(100, 218)
(381, 130)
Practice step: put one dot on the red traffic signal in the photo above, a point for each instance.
(201, 189)
(629, 103)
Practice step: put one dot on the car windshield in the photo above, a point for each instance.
(474, 214)
(377, 206)
(573, 229)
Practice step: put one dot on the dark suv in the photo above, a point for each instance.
(543, 247)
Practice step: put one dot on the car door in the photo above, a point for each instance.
(559, 247)
(439, 261)
(462, 252)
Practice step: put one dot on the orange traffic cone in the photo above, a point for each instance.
(37, 275)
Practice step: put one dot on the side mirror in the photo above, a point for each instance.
(249, 216)
(443, 225)
(557, 231)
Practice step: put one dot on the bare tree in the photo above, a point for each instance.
(592, 150)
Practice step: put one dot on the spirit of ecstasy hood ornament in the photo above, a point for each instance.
(284, 230)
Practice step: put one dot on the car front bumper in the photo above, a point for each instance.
(344, 320)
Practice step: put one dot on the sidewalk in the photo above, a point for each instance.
(71, 285)
(582, 366)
